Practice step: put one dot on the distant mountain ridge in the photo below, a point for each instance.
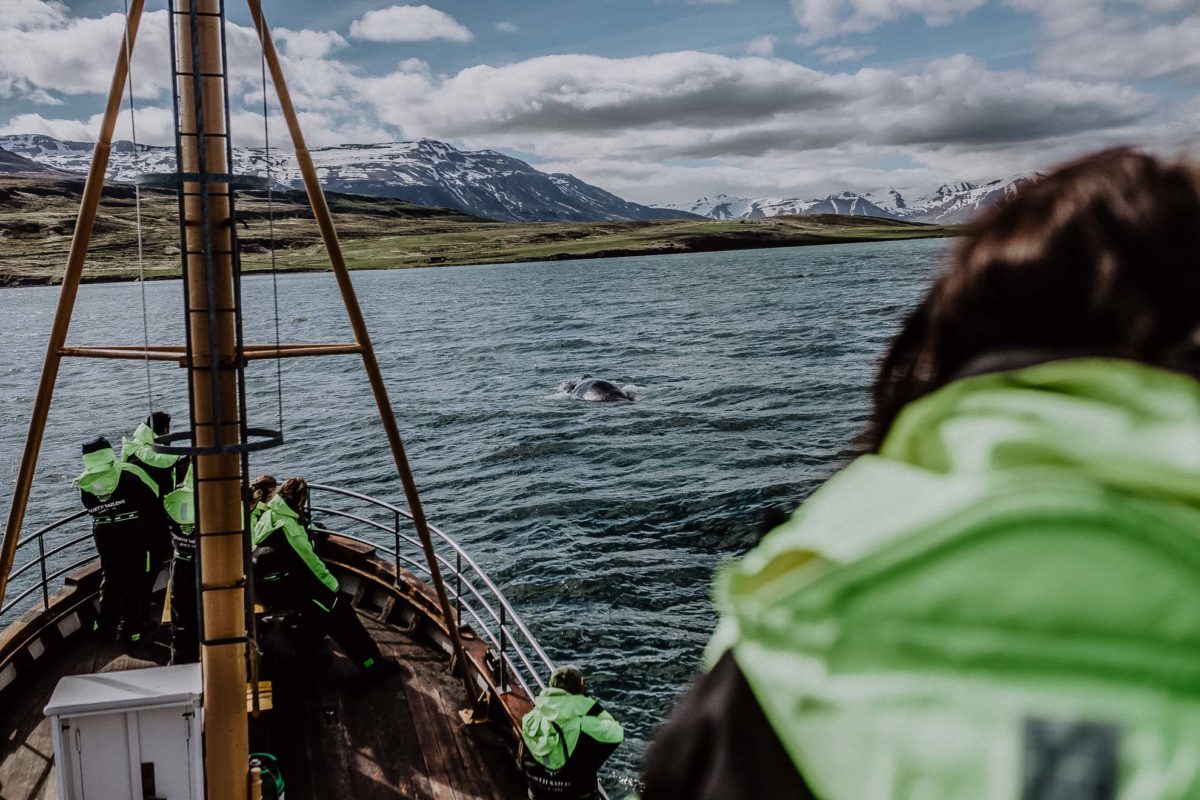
(483, 183)
(949, 204)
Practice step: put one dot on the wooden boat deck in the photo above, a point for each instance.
(399, 736)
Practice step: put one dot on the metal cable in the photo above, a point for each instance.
(271, 223)
(137, 205)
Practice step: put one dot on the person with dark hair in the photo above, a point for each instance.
(1000, 599)
(123, 503)
(566, 738)
(290, 576)
(167, 470)
(262, 489)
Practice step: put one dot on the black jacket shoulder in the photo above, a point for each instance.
(718, 745)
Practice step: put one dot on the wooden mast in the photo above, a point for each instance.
(214, 367)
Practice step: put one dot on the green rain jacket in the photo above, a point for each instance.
(141, 446)
(570, 713)
(102, 472)
(280, 516)
(1004, 601)
(181, 503)
(180, 506)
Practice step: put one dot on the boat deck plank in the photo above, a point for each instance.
(336, 736)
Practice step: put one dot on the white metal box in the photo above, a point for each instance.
(129, 735)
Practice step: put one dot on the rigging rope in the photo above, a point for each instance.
(137, 204)
(271, 222)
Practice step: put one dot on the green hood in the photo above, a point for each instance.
(1023, 541)
(570, 713)
(142, 446)
(181, 503)
(101, 472)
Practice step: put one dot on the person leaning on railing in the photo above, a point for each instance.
(289, 576)
(1000, 600)
(123, 503)
(566, 738)
(167, 470)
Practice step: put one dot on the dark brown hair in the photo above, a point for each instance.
(262, 487)
(294, 492)
(1101, 257)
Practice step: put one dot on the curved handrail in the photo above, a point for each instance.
(475, 568)
(503, 616)
(487, 607)
(472, 589)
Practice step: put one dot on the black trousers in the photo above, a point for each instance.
(333, 617)
(127, 576)
(185, 628)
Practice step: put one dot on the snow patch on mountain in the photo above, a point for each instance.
(485, 183)
(948, 204)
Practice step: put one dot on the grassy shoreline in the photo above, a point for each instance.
(37, 218)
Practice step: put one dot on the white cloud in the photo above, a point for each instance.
(505, 26)
(1118, 39)
(699, 104)
(762, 46)
(843, 53)
(408, 24)
(308, 43)
(823, 18)
(27, 14)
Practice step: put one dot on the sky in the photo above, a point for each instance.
(664, 100)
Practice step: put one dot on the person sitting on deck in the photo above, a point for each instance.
(567, 737)
(126, 513)
(289, 576)
(1001, 598)
(167, 469)
(180, 506)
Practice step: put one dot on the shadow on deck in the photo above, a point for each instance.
(336, 735)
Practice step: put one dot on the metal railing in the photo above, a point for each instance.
(478, 602)
(65, 545)
(53, 561)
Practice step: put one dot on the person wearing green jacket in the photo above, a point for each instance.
(566, 738)
(290, 577)
(1000, 599)
(167, 470)
(180, 506)
(122, 501)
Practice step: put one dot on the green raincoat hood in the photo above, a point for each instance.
(273, 518)
(101, 472)
(1024, 543)
(554, 706)
(142, 446)
(181, 503)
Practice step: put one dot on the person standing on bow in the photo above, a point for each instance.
(566, 737)
(123, 503)
(167, 469)
(290, 576)
(180, 506)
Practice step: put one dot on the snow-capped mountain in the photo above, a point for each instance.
(427, 172)
(723, 206)
(13, 164)
(949, 204)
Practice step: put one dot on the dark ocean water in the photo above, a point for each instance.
(603, 523)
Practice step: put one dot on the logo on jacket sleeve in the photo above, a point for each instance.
(1069, 760)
